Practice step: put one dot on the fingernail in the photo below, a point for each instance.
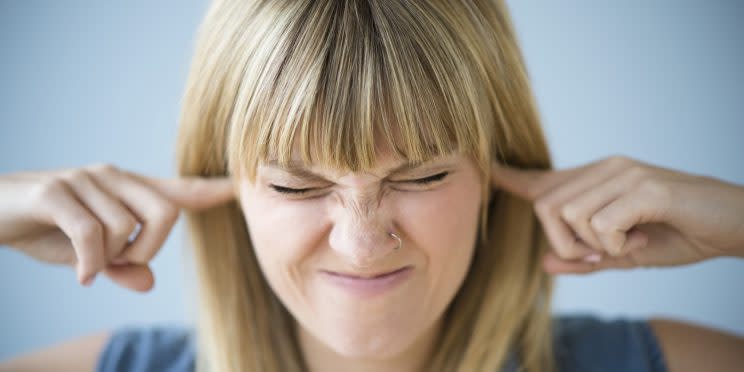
(593, 258)
(89, 281)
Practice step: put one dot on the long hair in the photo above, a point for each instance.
(334, 78)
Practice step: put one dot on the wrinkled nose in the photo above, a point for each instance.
(361, 233)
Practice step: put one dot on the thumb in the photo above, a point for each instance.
(136, 277)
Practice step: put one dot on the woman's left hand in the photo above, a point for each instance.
(622, 213)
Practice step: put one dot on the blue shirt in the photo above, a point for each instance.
(582, 343)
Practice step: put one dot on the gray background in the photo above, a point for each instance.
(86, 82)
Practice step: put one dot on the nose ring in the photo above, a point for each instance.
(400, 241)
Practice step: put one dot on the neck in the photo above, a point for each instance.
(319, 357)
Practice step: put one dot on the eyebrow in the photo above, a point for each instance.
(297, 168)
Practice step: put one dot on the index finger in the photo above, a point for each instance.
(194, 193)
(529, 184)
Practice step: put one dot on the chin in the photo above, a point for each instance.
(373, 344)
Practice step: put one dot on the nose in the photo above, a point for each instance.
(361, 232)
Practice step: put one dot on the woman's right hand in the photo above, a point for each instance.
(83, 217)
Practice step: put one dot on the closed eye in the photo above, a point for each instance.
(288, 190)
(419, 181)
(428, 180)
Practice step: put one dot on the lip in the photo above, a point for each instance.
(368, 285)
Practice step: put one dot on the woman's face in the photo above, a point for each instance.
(320, 236)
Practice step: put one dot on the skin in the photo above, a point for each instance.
(342, 225)
(83, 218)
(610, 214)
(621, 213)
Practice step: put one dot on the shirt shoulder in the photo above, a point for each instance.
(581, 342)
(146, 349)
(589, 343)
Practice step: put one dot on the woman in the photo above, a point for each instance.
(374, 194)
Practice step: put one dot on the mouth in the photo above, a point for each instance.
(366, 275)
(367, 285)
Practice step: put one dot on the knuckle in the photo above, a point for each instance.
(570, 213)
(123, 226)
(544, 207)
(50, 187)
(86, 230)
(600, 224)
(103, 168)
(654, 189)
(165, 214)
(617, 161)
(75, 176)
(638, 173)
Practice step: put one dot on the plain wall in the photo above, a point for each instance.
(87, 82)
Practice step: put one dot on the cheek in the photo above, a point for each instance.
(443, 224)
(283, 232)
(446, 219)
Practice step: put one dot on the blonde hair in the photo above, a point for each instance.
(334, 78)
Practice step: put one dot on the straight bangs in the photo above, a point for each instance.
(332, 81)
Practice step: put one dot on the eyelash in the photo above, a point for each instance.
(287, 190)
(420, 181)
(430, 179)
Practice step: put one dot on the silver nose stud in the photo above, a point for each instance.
(400, 241)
